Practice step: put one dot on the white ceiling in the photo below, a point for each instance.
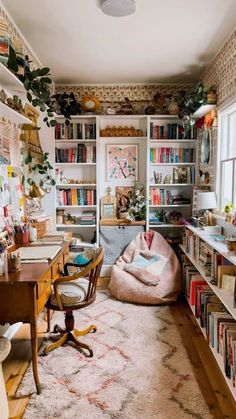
(164, 41)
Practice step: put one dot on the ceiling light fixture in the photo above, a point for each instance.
(118, 8)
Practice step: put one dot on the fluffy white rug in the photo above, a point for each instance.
(140, 369)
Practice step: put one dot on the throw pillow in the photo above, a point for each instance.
(147, 267)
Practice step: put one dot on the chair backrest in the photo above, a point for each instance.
(91, 272)
(94, 272)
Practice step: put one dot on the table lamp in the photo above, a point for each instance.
(206, 201)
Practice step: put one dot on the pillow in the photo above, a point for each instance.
(147, 267)
(82, 260)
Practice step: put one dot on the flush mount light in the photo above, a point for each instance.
(118, 8)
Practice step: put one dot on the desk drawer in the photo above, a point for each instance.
(57, 267)
(41, 301)
(43, 284)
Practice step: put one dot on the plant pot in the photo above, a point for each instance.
(231, 244)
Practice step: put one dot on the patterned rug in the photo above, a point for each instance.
(140, 369)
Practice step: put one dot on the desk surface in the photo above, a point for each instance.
(32, 272)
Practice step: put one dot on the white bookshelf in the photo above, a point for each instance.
(226, 298)
(95, 173)
(84, 176)
(166, 168)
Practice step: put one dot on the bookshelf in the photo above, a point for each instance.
(191, 250)
(93, 174)
(169, 153)
(76, 176)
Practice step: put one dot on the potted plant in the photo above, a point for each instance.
(40, 172)
(137, 203)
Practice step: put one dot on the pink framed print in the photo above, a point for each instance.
(122, 162)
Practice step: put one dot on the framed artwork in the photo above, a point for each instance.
(206, 147)
(122, 162)
(123, 200)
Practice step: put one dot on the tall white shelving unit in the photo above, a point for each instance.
(84, 172)
(97, 172)
(166, 168)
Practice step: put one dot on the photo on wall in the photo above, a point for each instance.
(122, 162)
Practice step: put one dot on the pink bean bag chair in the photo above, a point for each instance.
(148, 272)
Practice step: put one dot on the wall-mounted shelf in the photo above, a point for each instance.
(172, 141)
(202, 111)
(10, 82)
(74, 164)
(76, 207)
(13, 115)
(172, 164)
(57, 142)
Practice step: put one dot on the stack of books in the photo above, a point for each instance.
(168, 131)
(206, 258)
(159, 196)
(88, 218)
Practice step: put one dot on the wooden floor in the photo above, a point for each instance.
(209, 376)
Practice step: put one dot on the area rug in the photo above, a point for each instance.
(140, 369)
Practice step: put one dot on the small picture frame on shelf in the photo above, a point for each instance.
(108, 211)
(122, 162)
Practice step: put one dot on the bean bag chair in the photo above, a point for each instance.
(148, 272)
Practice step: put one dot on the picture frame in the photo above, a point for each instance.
(108, 211)
(122, 162)
(205, 147)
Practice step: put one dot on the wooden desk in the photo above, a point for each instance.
(24, 294)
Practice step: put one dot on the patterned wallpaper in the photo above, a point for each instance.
(222, 71)
(139, 94)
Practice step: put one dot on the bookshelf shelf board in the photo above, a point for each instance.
(163, 185)
(76, 206)
(63, 141)
(226, 298)
(75, 226)
(218, 246)
(166, 225)
(154, 117)
(172, 164)
(75, 185)
(170, 206)
(76, 116)
(13, 115)
(74, 164)
(203, 110)
(123, 138)
(217, 356)
(102, 117)
(10, 82)
(157, 141)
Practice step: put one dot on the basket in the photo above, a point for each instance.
(41, 228)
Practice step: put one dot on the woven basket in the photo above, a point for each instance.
(41, 228)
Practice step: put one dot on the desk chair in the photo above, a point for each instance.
(73, 293)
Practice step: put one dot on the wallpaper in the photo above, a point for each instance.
(114, 94)
(222, 71)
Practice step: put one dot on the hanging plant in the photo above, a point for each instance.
(193, 100)
(38, 85)
(40, 172)
(66, 104)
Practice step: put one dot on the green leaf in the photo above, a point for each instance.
(53, 182)
(53, 123)
(44, 71)
(29, 97)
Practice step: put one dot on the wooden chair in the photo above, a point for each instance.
(73, 293)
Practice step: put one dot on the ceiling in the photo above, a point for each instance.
(164, 41)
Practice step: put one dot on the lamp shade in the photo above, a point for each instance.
(36, 191)
(206, 200)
